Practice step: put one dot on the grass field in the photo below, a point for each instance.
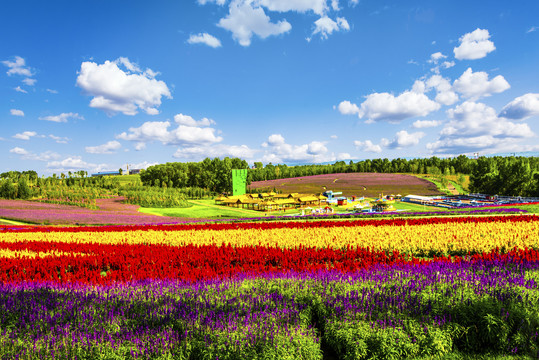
(203, 209)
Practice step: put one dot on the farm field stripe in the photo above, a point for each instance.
(277, 224)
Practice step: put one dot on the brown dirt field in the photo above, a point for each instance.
(358, 184)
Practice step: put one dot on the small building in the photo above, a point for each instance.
(417, 199)
(107, 173)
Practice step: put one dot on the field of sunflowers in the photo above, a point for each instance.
(447, 287)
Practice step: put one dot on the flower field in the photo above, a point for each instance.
(342, 289)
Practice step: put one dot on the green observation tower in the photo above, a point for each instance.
(239, 181)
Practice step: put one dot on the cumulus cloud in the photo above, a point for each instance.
(189, 121)
(70, 163)
(246, 19)
(17, 67)
(26, 135)
(62, 118)
(317, 6)
(197, 153)
(475, 85)
(52, 91)
(29, 82)
(444, 91)
(107, 148)
(521, 107)
(278, 151)
(326, 26)
(474, 45)
(218, 2)
(16, 112)
(28, 155)
(204, 38)
(368, 146)
(475, 126)
(21, 90)
(421, 124)
(437, 56)
(188, 132)
(385, 106)
(116, 90)
(403, 139)
(347, 108)
(59, 139)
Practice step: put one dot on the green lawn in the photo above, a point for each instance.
(204, 209)
(11, 222)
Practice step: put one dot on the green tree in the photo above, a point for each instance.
(23, 191)
(7, 190)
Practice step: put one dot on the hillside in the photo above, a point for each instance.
(359, 184)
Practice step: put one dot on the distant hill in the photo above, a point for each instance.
(359, 184)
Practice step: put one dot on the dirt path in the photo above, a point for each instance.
(452, 189)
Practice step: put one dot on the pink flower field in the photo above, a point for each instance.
(359, 184)
(111, 211)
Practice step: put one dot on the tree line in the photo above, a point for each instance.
(214, 175)
(514, 176)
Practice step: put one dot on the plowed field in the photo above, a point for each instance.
(359, 184)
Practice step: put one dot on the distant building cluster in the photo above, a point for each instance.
(117, 173)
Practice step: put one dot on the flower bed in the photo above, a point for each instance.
(284, 290)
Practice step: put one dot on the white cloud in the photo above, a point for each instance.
(107, 148)
(444, 92)
(52, 91)
(278, 151)
(70, 163)
(385, 106)
(218, 2)
(448, 64)
(326, 26)
(115, 90)
(197, 153)
(204, 38)
(334, 137)
(437, 56)
(474, 45)
(532, 29)
(59, 139)
(347, 108)
(403, 139)
(19, 151)
(26, 135)
(475, 85)
(521, 107)
(422, 124)
(17, 67)
(188, 132)
(21, 90)
(187, 120)
(27, 155)
(16, 112)
(140, 146)
(29, 82)
(244, 21)
(475, 126)
(317, 6)
(274, 140)
(368, 146)
(63, 117)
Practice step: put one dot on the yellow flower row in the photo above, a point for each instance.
(478, 237)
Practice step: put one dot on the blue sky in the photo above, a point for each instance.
(96, 85)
